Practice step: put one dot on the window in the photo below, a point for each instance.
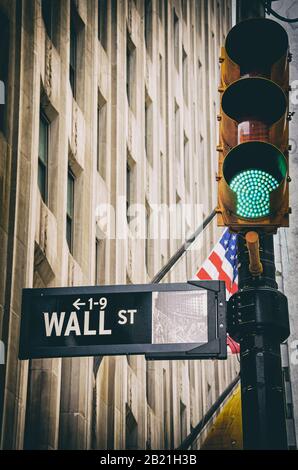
(98, 138)
(73, 56)
(70, 209)
(289, 411)
(177, 132)
(184, 75)
(150, 384)
(97, 254)
(100, 253)
(183, 421)
(148, 26)
(149, 129)
(161, 85)
(77, 55)
(102, 22)
(130, 71)
(160, 9)
(130, 180)
(48, 11)
(180, 219)
(199, 93)
(176, 41)
(4, 61)
(219, 18)
(43, 152)
(128, 190)
(186, 163)
(99, 261)
(131, 430)
(165, 409)
(163, 179)
(194, 127)
(147, 241)
(101, 134)
(184, 10)
(2, 93)
(286, 374)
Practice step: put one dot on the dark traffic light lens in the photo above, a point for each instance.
(254, 99)
(256, 44)
(253, 188)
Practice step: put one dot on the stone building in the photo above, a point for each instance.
(105, 101)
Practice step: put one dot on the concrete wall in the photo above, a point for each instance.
(116, 402)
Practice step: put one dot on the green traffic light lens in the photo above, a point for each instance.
(253, 188)
(252, 171)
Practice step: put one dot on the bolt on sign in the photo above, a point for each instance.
(183, 320)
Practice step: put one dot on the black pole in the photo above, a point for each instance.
(249, 9)
(258, 319)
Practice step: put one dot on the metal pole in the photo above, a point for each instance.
(246, 9)
(258, 319)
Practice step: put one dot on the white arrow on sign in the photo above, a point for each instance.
(77, 304)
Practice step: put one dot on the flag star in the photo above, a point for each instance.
(234, 237)
(233, 247)
(226, 242)
(232, 257)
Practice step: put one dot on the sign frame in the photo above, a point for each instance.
(215, 348)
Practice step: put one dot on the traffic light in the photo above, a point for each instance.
(253, 169)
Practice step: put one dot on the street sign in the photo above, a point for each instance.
(183, 320)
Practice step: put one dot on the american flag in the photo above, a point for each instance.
(221, 265)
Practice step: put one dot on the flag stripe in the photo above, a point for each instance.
(202, 274)
(222, 264)
(234, 347)
(211, 269)
(221, 273)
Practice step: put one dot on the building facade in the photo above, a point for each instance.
(108, 103)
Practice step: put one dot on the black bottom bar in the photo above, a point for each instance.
(139, 458)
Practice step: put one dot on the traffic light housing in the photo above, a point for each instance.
(253, 169)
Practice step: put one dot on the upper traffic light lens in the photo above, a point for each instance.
(253, 188)
(256, 44)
